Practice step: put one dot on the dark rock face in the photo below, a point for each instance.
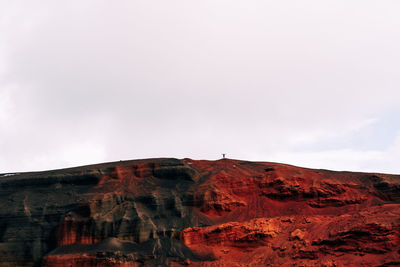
(173, 212)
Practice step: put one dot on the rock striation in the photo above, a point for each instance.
(170, 212)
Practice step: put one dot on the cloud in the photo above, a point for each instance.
(347, 159)
(342, 159)
(134, 79)
(372, 145)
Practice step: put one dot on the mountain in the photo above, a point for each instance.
(170, 212)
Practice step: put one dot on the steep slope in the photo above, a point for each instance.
(199, 213)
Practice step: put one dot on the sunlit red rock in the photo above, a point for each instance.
(173, 212)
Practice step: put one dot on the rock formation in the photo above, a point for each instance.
(170, 212)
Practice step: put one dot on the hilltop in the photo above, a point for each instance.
(173, 212)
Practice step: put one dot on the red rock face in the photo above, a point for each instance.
(199, 213)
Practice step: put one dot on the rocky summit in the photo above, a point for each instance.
(170, 212)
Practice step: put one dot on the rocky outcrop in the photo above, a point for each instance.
(245, 234)
(200, 213)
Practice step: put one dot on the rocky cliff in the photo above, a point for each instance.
(170, 212)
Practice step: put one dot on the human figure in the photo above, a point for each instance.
(223, 155)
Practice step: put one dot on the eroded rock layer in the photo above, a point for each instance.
(170, 212)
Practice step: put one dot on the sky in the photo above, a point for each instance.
(310, 83)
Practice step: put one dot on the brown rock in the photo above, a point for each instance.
(297, 235)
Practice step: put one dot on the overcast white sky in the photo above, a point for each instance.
(310, 83)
